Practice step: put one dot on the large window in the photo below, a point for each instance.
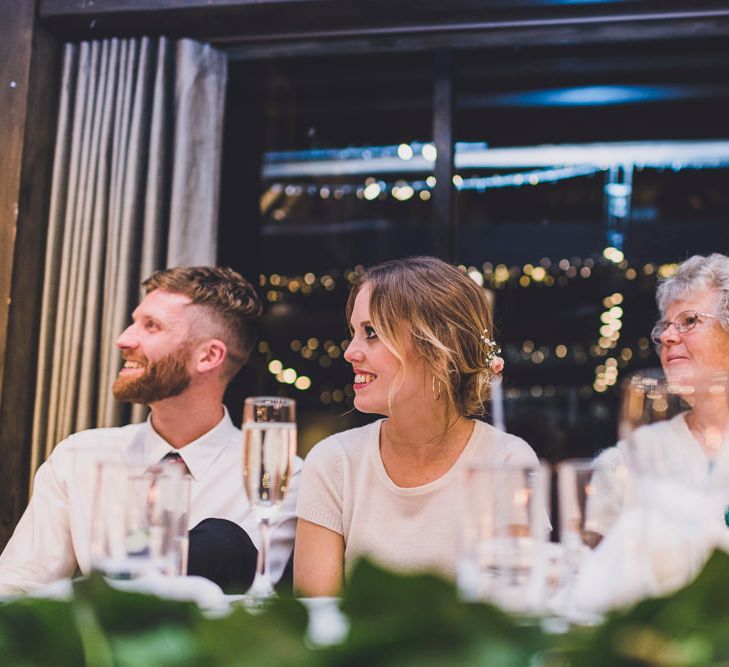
(581, 174)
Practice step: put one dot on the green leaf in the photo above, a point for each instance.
(684, 629)
(273, 637)
(121, 612)
(418, 619)
(39, 632)
(406, 621)
(161, 647)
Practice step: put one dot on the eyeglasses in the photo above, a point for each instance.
(684, 322)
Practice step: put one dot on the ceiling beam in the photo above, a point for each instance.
(254, 29)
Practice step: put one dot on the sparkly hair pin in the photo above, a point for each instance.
(492, 351)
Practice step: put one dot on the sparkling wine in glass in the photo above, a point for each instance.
(269, 452)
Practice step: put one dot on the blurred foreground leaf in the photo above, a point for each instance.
(146, 630)
(133, 629)
(689, 628)
(39, 632)
(272, 638)
(394, 620)
(419, 620)
(105, 627)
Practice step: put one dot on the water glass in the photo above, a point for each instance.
(139, 520)
(505, 526)
(590, 494)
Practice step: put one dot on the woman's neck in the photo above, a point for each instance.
(415, 452)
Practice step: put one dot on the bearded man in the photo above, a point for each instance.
(190, 335)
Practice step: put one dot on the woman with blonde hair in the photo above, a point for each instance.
(423, 355)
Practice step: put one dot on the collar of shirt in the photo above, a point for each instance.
(197, 455)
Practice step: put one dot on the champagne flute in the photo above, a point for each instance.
(269, 451)
(659, 415)
(664, 423)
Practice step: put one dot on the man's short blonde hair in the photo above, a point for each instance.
(232, 304)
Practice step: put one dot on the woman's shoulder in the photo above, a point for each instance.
(499, 446)
(351, 442)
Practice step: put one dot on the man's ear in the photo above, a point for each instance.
(210, 355)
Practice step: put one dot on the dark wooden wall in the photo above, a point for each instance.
(16, 31)
(29, 59)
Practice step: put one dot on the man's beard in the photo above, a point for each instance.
(161, 379)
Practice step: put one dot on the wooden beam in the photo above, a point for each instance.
(240, 187)
(77, 7)
(16, 33)
(107, 6)
(239, 221)
(443, 223)
(496, 34)
(268, 28)
(36, 58)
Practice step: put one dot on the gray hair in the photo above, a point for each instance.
(696, 274)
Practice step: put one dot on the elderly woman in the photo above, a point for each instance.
(423, 356)
(692, 339)
(693, 333)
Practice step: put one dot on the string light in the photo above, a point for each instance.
(613, 255)
(374, 188)
(476, 276)
(429, 152)
(302, 383)
(402, 191)
(288, 375)
(372, 191)
(667, 270)
(405, 152)
(607, 349)
(544, 275)
(606, 373)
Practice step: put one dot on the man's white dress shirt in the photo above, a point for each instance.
(52, 538)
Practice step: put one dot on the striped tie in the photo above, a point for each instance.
(174, 458)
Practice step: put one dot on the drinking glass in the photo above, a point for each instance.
(269, 451)
(505, 525)
(139, 520)
(665, 420)
(590, 493)
(667, 423)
